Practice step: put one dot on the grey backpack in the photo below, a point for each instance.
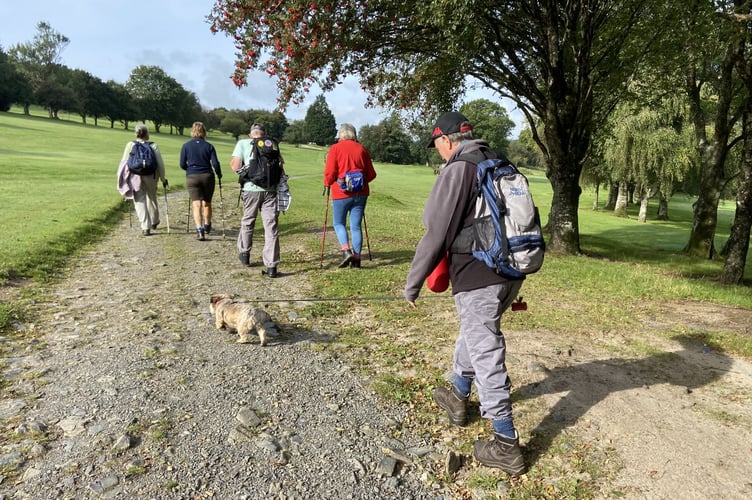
(506, 232)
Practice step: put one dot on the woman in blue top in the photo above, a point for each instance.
(197, 157)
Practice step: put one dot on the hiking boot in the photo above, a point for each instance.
(146, 232)
(501, 452)
(154, 226)
(200, 234)
(271, 272)
(453, 403)
(207, 228)
(347, 257)
(245, 258)
(355, 263)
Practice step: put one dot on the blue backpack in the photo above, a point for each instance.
(506, 233)
(142, 160)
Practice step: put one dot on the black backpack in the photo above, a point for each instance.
(142, 160)
(265, 166)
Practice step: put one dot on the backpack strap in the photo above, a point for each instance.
(463, 241)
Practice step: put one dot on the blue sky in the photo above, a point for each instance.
(108, 38)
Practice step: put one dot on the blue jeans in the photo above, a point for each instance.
(355, 206)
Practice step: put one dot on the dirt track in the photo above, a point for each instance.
(676, 418)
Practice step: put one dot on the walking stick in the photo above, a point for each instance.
(368, 242)
(130, 212)
(188, 219)
(326, 216)
(167, 207)
(222, 208)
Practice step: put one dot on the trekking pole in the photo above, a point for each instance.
(130, 212)
(188, 219)
(167, 207)
(222, 208)
(368, 242)
(326, 216)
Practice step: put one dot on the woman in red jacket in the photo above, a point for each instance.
(348, 173)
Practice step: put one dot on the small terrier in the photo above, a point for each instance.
(239, 316)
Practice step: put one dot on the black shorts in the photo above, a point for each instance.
(200, 186)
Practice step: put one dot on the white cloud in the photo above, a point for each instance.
(175, 36)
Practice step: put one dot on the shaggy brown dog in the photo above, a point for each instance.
(239, 316)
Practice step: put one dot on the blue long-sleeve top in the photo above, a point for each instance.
(198, 156)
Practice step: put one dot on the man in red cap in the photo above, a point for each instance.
(480, 295)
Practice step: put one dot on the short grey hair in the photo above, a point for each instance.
(142, 132)
(347, 132)
(458, 137)
(259, 128)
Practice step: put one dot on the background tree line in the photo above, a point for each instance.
(31, 73)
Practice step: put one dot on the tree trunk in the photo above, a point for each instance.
(713, 151)
(595, 195)
(613, 195)
(738, 243)
(642, 216)
(737, 246)
(647, 193)
(701, 239)
(662, 206)
(563, 221)
(620, 208)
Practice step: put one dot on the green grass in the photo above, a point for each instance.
(58, 187)
(59, 194)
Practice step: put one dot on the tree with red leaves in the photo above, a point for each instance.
(562, 62)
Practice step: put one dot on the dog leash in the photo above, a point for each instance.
(350, 299)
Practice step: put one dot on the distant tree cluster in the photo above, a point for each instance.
(31, 74)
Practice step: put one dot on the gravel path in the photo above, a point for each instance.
(130, 392)
(122, 388)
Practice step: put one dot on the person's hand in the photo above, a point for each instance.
(219, 176)
(164, 183)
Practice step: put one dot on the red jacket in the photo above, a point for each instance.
(345, 156)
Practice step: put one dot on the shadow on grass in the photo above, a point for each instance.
(588, 384)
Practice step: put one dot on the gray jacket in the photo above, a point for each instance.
(448, 209)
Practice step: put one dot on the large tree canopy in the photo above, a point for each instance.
(490, 122)
(563, 62)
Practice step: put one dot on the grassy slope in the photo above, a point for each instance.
(58, 181)
(49, 216)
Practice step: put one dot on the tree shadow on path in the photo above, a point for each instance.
(588, 384)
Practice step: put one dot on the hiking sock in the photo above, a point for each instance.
(504, 427)
(463, 384)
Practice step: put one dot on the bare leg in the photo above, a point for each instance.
(196, 208)
(207, 212)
